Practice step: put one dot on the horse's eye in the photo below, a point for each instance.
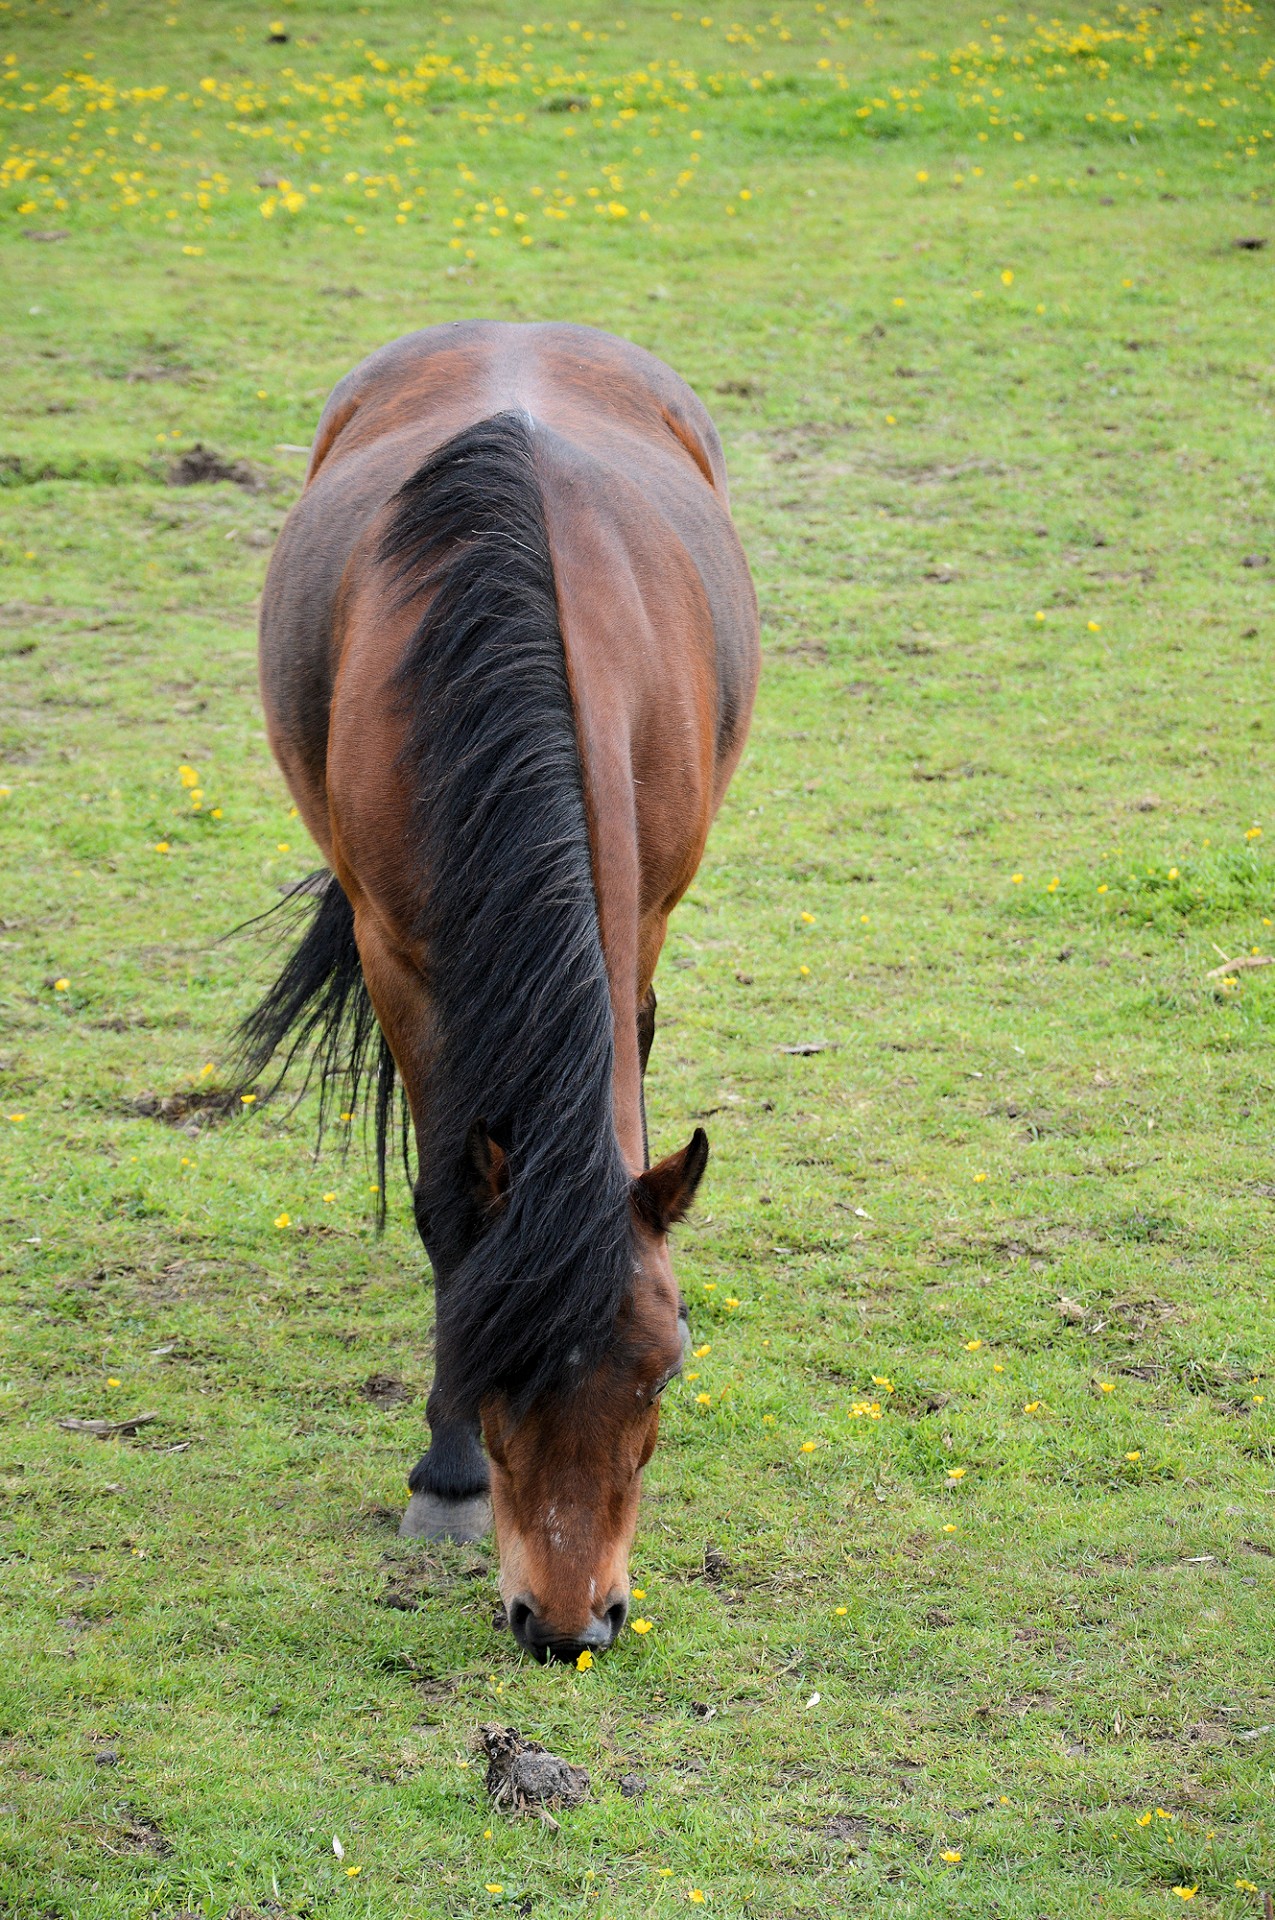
(658, 1390)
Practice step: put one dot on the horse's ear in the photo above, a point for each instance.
(488, 1165)
(663, 1194)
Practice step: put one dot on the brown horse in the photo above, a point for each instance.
(508, 659)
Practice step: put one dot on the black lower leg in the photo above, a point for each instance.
(455, 1468)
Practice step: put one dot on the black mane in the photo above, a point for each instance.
(515, 976)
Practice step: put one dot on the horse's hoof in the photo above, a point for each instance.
(429, 1518)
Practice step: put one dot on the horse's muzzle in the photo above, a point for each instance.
(543, 1643)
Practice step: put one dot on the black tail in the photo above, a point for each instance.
(319, 1008)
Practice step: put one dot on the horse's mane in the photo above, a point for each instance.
(521, 1020)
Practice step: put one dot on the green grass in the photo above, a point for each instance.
(964, 380)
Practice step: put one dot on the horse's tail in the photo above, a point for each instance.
(319, 1008)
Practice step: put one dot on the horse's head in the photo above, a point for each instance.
(566, 1473)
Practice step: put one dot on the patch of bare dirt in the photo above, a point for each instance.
(411, 1582)
(136, 1836)
(193, 1107)
(383, 1390)
(848, 1828)
(200, 466)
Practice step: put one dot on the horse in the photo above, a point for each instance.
(508, 658)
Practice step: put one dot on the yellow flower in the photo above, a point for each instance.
(731, 1301)
(972, 1346)
(978, 1177)
(1095, 626)
(1040, 616)
(922, 176)
(997, 1367)
(1246, 1886)
(805, 969)
(352, 1873)
(329, 1196)
(208, 1067)
(584, 1662)
(284, 847)
(283, 1220)
(703, 1399)
(1160, 1814)
(1032, 1406)
(700, 1352)
(809, 919)
(161, 846)
(695, 1897)
(1135, 1455)
(767, 1419)
(61, 986)
(494, 1886)
(1185, 1893)
(841, 1609)
(641, 1626)
(639, 1593)
(112, 1382)
(949, 1526)
(951, 1853)
(1254, 833)
(216, 813)
(486, 1833)
(1016, 879)
(1007, 277)
(956, 1473)
(1107, 1386)
(188, 776)
(1103, 888)
(809, 1446)
(246, 1099)
(882, 1380)
(17, 1117)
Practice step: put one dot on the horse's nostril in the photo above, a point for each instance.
(520, 1618)
(616, 1617)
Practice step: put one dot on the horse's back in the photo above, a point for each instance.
(657, 604)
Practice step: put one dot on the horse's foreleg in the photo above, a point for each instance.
(449, 1483)
(449, 1500)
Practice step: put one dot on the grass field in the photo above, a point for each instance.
(958, 1545)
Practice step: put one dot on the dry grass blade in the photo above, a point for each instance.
(1244, 964)
(107, 1429)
